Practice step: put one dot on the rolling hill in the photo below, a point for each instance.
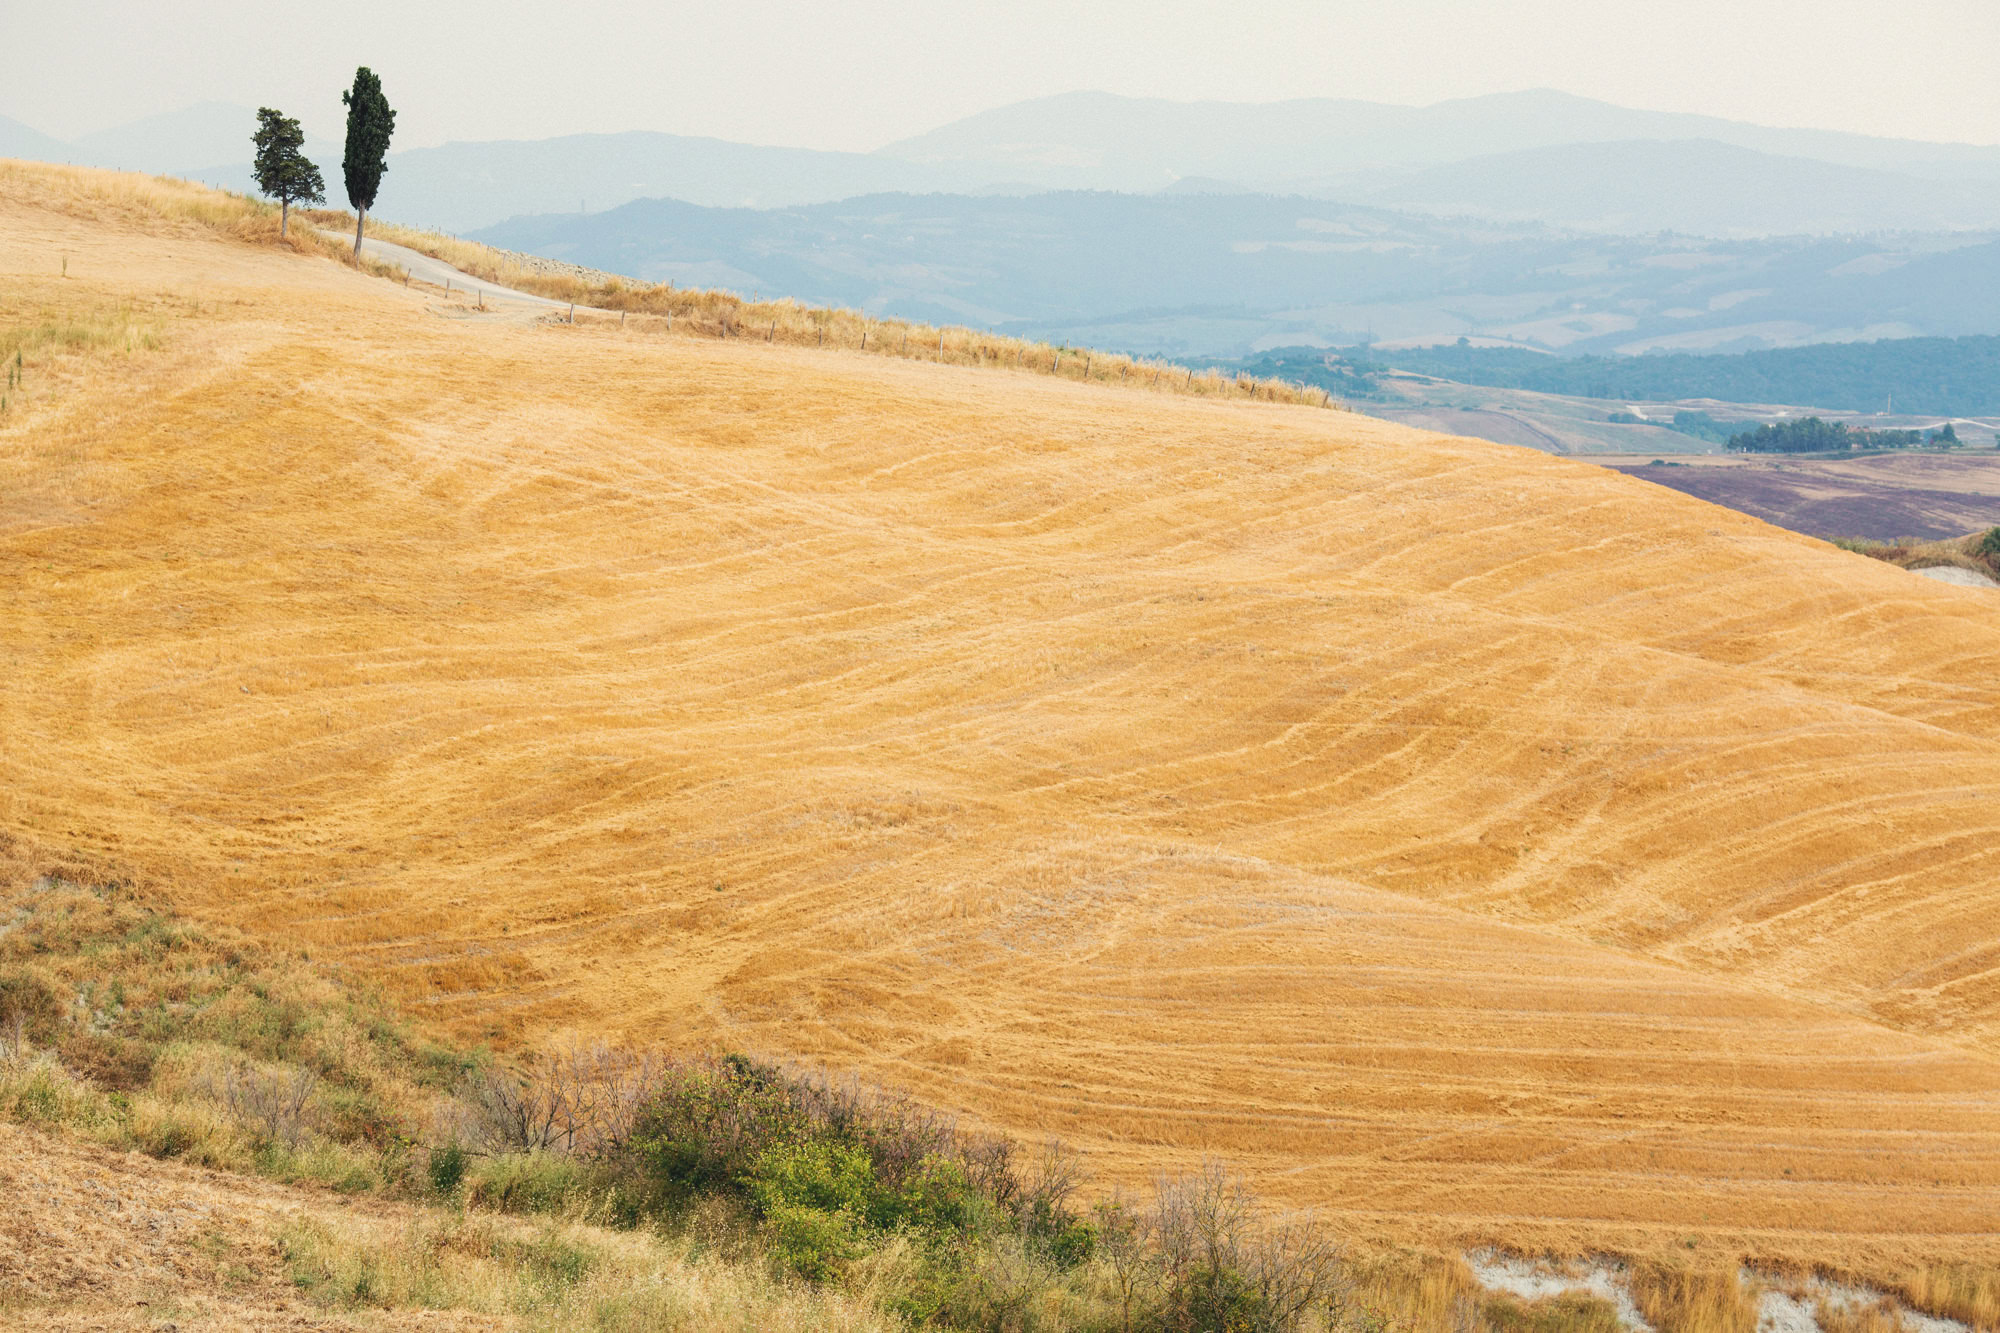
(1471, 842)
(1697, 187)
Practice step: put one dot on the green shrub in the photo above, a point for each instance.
(938, 1198)
(446, 1169)
(1219, 1298)
(818, 1174)
(1989, 545)
(814, 1243)
(708, 1122)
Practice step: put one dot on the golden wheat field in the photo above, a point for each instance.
(1472, 843)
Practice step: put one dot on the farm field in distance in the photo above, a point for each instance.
(1925, 493)
(1474, 843)
(1880, 497)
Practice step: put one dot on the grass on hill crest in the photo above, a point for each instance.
(715, 313)
(99, 194)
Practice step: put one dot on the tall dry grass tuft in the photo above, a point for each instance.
(1692, 1300)
(1423, 1293)
(1956, 1291)
(73, 332)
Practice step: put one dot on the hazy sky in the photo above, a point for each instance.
(856, 74)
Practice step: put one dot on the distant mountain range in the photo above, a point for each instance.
(1097, 140)
(18, 140)
(1223, 275)
(1536, 156)
(1216, 229)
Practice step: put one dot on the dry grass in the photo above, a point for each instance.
(151, 202)
(1681, 1299)
(123, 1027)
(57, 335)
(134, 1031)
(720, 314)
(1471, 843)
(1966, 1292)
(555, 1275)
(1978, 551)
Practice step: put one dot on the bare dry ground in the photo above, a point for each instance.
(1474, 842)
(1882, 497)
(95, 1240)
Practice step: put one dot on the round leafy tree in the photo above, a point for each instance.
(284, 172)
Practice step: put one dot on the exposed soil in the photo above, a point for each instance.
(91, 1239)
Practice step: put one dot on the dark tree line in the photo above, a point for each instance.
(1813, 436)
(286, 174)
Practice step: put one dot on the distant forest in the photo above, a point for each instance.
(1941, 376)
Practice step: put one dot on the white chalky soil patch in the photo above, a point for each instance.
(1791, 1306)
(1535, 1280)
(1784, 1305)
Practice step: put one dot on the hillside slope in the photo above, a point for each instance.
(1471, 841)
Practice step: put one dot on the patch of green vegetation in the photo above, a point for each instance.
(607, 1189)
(1812, 435)
(123, 1025)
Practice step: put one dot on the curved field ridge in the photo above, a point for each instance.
(1473, 842)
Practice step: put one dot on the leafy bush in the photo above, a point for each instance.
(814, 1243)
(819, 1174)
(445, 1169)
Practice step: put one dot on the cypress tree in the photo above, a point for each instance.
(283, 172)
(369, 125)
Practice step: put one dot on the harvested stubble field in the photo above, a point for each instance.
(1474, 843)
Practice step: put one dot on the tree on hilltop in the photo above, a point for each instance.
(283, 172)
(370, 122)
